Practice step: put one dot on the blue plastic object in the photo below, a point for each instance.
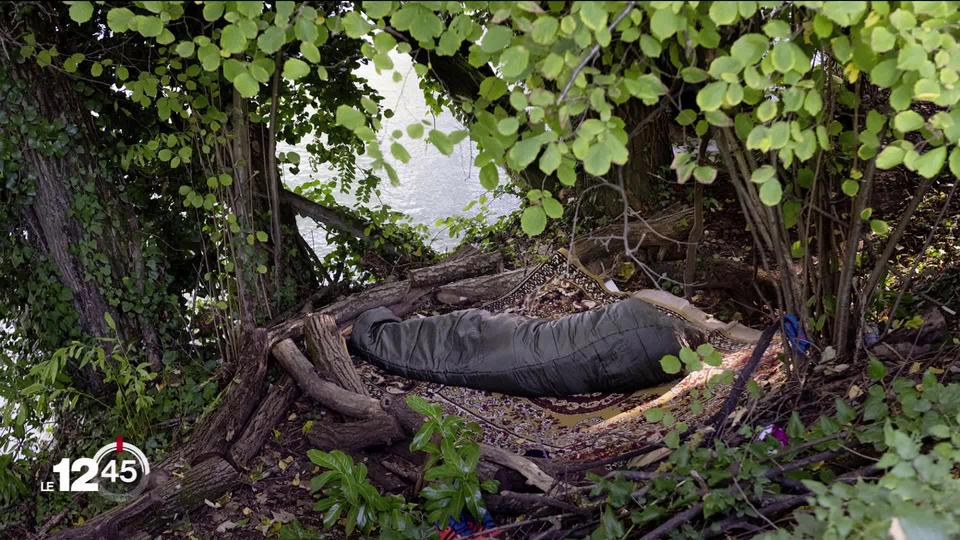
(795, 334)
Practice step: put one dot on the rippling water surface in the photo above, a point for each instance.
(431, 185)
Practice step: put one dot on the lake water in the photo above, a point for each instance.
(432, 185)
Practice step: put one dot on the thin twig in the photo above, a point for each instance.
(593, 52)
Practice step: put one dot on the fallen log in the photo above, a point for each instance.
(379, 430)
(402, 295)
(328, 351)
(271, 411)
(326, 393)
(158, 507)
(482, 288)
(459, 268)
(667, 229)
(216, 432)
(347, 309)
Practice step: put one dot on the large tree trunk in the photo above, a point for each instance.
(76, 223)
(650, 156)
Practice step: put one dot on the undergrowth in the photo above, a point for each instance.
(880, 463)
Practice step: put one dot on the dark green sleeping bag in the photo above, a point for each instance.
(614, 348)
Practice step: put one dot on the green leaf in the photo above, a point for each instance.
(250, 10)
(81, 11)
(209, 56)
(664, 23)
(885, 74)
(212, 10)
(693, 75)
(771, 192)
(496, 38)
(902, 20)
(653, 414)
(651, 47)
(844, 13)
(272, 39)
(671, 364)
(881, 40)
(246, 85)
(763, 174)
(441, 141)
(534, 220)
(400, 152)
(72, 62)
(689, 357)
(598, 159)
(686, 117)
(552, 207)
(880, 227)
(822, 26)
(119, 19)
(305, 30)
(550, 159)
(415, 130)
(523, 153)
(911, 57)
(705, 175)
(926, 90)
(149, 26)
(355, 25)
(813, 103)
(185, 49)
(110, 322)
(767, 111)
(890, 157)
(929, 164)
(349, 117)
(593, 15)
(907, 121)
(310, 52)
(783, 57)
(710, 97)
(514, 61)
(777, 29)
(508, 125)
(850, 187)
(723, 13)
(262, 236)
(377, 9)
(294, 68)
(232, 39)
(749, 48)
(489, 176)
(955, 162)
(545, 30)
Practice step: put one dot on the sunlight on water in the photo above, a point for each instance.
(431, 185)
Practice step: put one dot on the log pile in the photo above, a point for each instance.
(227, 439)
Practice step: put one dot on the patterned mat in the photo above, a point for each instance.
(589, 426)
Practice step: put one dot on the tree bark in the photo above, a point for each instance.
(328, 351)
(665, 230)
(482, 288)
(163, 504)
(460, 268)
(326, 393)
(269, 413)
(225, 423)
